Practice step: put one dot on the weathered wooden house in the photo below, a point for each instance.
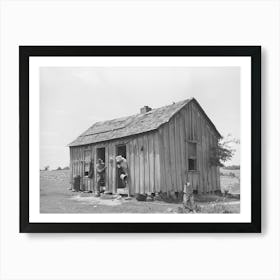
(163, 147)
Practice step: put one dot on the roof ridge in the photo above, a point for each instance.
(129, 116)
(130, 125)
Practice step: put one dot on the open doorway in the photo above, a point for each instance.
(100, 154)
(120, 151)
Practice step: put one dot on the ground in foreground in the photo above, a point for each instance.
(56, 198)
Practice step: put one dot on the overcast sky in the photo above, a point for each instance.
(73, 98)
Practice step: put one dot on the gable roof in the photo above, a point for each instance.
(132, 125)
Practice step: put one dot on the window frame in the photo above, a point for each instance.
(194, 158)
(85, 162)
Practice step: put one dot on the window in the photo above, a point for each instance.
(192, 164)
(87, 158)
(192, 156)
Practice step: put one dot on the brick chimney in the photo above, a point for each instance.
(145, 109)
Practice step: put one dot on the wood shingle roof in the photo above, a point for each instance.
(131, 125)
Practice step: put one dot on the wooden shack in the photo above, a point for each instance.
(163, 147)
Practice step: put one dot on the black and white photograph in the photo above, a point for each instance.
(140, 140)
(140, 135)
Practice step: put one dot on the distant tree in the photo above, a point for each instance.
(66, 168)
(223, 152)
(46, 168)
(58, 168)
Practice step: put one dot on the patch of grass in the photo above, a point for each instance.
(212, 198)
(55, 197)
(220, 208)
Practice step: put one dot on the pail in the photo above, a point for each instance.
(123, 176)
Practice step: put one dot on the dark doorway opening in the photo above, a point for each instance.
(121, 151)
(100, 154)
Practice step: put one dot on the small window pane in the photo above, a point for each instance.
(192, 164)
(192, 150)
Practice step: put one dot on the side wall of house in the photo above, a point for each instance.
(187, 126)
(82, 155)
(143, 162)
(77, 164)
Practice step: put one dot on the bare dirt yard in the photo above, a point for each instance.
(55, 197)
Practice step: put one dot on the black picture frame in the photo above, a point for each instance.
(25, 52)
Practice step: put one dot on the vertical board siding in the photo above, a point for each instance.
(208, 163)
(194, 122)
(204, 163)
(158, 166)
(160, 152)
(141, 165)
(167, 158)
(95, 161)
(188, 136)
(213, 181)
(200, 152)
(211, 167)
(136, 166)
(76, 162)
(206, 160)
(107, 167)
(92, 180)
(189, 123)
(151, 163)
(71, 166)
(81, 163)
(131, 167)
(114, 170)
(128, 159)
(214, 168)
(172, 155)
(186, 124)
(178, 154)
(182, 148)
(146, 165)
(110, 167)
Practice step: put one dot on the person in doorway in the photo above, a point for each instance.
(123, 166)
(100, 175)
